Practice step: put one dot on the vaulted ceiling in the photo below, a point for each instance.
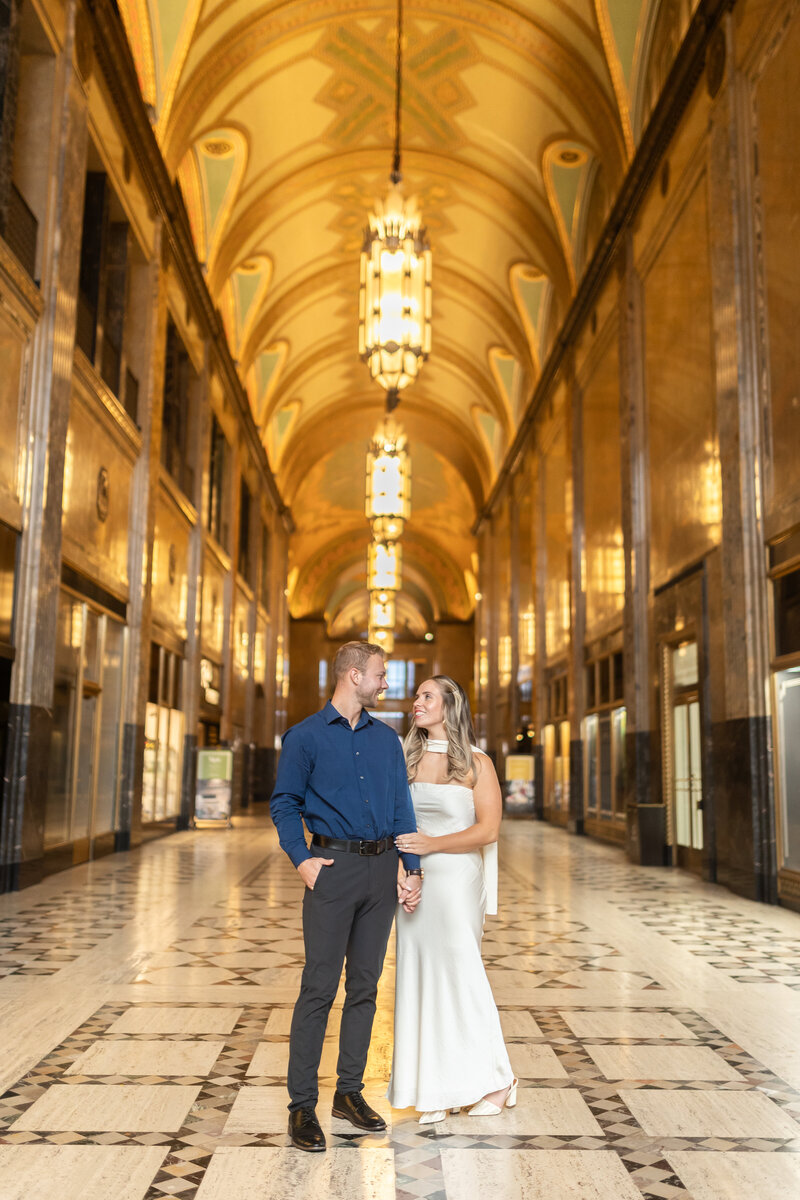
(519, 121)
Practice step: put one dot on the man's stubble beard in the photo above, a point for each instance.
(366, 699)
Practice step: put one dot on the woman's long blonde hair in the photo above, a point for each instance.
(457, 720)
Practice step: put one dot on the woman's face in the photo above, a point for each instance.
(428, 707)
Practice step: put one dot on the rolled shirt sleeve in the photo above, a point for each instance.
(405, 820)
(288, 798)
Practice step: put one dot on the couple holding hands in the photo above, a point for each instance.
(375, 808)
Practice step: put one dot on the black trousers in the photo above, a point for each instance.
(347, 919)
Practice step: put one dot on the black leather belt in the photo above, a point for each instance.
(363, 847)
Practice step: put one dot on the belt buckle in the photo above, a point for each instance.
(362, 847)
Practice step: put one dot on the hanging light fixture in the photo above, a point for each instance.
(381, 609)
(383, 638)
(388, 504)
(394, 306)
(384, 566)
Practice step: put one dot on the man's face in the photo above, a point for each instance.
(372, 681)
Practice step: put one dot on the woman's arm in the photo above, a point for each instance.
(488, 812)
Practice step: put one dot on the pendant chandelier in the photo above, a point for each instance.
(394, 306)
(388, 504)
(384, 566)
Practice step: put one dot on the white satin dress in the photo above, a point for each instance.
(448, 1044)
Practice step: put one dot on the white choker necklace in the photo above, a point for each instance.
(437, 745)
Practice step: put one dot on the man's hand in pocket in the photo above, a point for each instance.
(310, 868)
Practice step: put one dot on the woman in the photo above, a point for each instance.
(448, 1045)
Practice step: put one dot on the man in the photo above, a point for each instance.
(344, 773)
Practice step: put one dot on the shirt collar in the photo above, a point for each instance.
(332, 715)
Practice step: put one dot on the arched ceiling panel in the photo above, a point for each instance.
(275, 116)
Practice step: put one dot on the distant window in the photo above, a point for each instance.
(218, 524)
(177, 433)
(245, 561)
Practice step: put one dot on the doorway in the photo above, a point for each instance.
(683, 758)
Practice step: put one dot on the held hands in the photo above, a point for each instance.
(310, 868)
(409, 889)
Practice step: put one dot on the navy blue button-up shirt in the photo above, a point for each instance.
(344, 782)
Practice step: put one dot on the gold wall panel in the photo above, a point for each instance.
(97, 482)
(685, 487)
(170, 586)
(604, 565)
(212, 625)
(555, 472)
(241, 655)
(12, 356)
(778, 107)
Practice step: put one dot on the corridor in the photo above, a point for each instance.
(653, 1020)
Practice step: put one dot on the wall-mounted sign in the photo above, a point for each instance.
(214, 788)
(519, 786)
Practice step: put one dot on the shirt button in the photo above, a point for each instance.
(361, 777)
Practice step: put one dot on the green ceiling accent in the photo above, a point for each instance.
(624, 16)
(566, 185)
(265, 368)
(532, 292)
(170, 22)
(218, 174)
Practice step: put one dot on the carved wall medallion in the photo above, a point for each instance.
(101, 498)
(172, 564)
(715, 62)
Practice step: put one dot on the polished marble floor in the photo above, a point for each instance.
(145, 1000)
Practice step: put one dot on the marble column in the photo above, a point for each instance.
(745, 815)
(39, 567)
(141, 531)
(9, 83)
(576, 677)
(645, 844)
(540, 629)
(194, 649)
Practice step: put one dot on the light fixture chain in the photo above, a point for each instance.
(398, 95)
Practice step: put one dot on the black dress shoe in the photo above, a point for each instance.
(352, 1107)
(304, 1130)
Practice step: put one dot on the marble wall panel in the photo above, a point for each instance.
(13, 357)
(213, 608)
(97, 482)
(777, 109)
(604, 564)
(556, 476)
(170, 583)
(684, 469)
(241, 655)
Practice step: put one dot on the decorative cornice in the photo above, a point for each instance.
(95, 393)
(119, 73)
(28, 304)
(672, 103)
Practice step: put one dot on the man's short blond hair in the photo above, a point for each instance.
(354, 654)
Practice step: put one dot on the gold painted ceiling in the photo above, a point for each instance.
(519, 120)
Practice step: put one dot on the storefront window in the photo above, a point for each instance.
(163, 734)
(787, 696)
(590, 753)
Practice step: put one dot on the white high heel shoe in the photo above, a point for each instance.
(485, 1108)
(437, 1114)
